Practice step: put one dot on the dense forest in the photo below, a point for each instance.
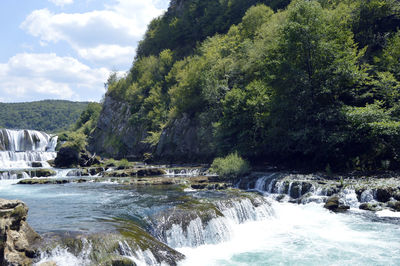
(49, 115)
(305, 83)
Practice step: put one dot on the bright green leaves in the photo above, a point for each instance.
(297, 85)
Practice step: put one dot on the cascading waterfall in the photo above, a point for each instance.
(218, 229)
(139, 257)
(19, 148)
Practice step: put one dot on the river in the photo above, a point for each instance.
(208, 227)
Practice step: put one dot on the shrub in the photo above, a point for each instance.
(124, 163)
(76, 140)
(230, 167)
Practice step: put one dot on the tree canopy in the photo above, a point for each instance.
(312, 83)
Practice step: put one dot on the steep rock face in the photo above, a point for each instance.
(183, 140)
(114, 135)
(17, 238)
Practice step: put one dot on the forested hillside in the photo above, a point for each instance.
(313, 84)
(48, 115)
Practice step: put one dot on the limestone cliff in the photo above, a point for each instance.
(182, 140)
(17, 238)
(115, 136)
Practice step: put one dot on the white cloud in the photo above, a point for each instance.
(38, 76)
(117, 27)
(62, 2)
(109, 54)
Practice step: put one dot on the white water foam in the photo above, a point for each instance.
(218, 229)
(302, 235)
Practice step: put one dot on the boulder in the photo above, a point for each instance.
(67, 157)
(369, 206)
(36, 164)
(122, 262)
(333, 203)
(383, 194)
(44, 173)
(87, 160)
(298, 188)
(17, 238)
(395, 205)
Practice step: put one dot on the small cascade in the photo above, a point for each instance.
(62, 256)
(201, 231)
(266, 183)
(367, 196)
(184, 172)
(139, 257)
(349, 198)
(21, 160)
(12, 175)
(62, 173)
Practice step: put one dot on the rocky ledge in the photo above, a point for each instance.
(17, 238)
(366, 192)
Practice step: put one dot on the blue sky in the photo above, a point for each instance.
(65, 49)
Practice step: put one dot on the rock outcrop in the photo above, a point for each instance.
(17, 238)
(67, 157)
(185, 140)
(117, 135)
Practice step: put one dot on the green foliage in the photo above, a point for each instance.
(50, 115)
(153, 138)
(373, 21)
(187, 23)
(230, 167)
(124, 163)
(244, 120)
(76, 140)
(254, 18)
(391, 55)
(87, 121)
(313, 85)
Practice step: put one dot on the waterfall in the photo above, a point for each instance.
(20, 148)
(11, 175)
(218, 229)
(367, 196)
(139, 257)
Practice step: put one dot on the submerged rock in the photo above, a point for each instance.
(383, 194)
(36, 164)
(132, 172)
(128, 246)
(370, 206)
(17, 238)
(395, 205)
(43, 181)
(43, 173)
(333, 204)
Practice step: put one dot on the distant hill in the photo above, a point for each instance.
(47, 115)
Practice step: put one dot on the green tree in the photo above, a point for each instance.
(316, 68)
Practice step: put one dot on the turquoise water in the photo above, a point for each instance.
(291, 235)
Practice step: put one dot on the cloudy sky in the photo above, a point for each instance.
(65, 49)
